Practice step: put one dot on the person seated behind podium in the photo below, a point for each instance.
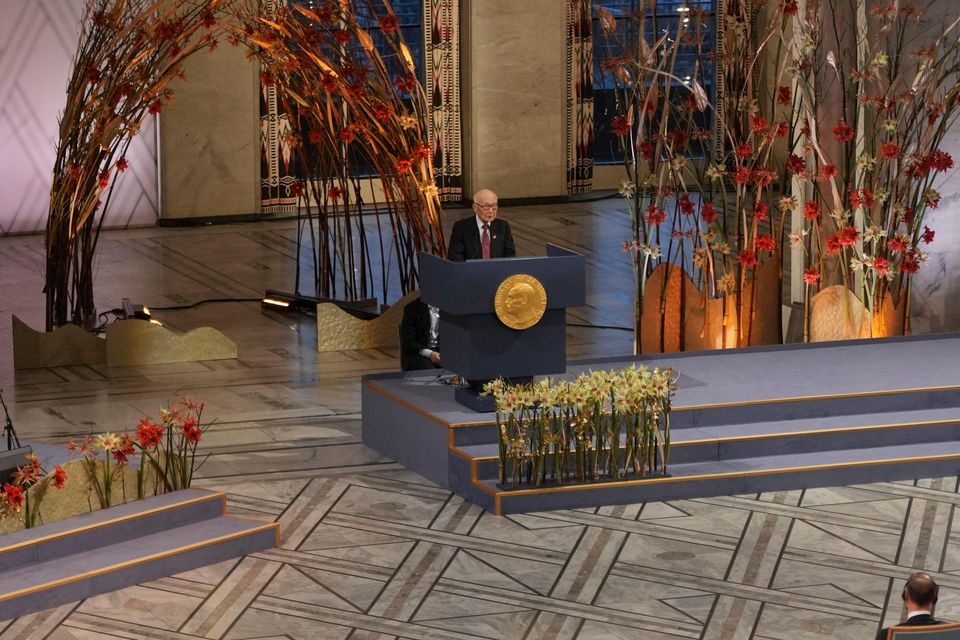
(466, 239)
(919, 595)
(419, 336)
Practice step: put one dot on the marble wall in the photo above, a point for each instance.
(38, 39)
(936, 287)
(513, 72)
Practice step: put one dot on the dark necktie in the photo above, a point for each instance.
(485, 241)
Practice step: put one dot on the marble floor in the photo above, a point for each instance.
(373, 552)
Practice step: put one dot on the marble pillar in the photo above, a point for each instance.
(209, 138)
(513, 71)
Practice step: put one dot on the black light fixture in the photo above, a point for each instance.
(283, 301)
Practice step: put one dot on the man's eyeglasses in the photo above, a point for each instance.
(486, 206)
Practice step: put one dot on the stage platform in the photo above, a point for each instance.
(744, 421)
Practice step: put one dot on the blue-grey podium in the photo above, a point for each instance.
(475, 344)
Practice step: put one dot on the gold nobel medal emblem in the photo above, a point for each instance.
(520, 301)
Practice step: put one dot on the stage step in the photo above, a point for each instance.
(786, 471)
(841, 409)
(114, 548)
(746, 420)
(726, 442)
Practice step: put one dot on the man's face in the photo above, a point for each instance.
(485, 207)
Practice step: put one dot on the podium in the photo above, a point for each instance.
(474, 342)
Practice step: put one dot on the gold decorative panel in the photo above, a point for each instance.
(138, 342)
(835, 316)
(66, 346)
(338, 330)
(678, 317)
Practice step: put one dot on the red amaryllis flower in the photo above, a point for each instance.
(678, 138)
(646, 150)
(404, 165)
(655, 215)
(325, 14)
(927, 235)
(889, 150)
(782, 130)
(191, 430)
(908, 214)
(765, 242)
(123, 449)
(783, 95)
(423, 151)
(13, 495)
(881, 266)
(335, 193)
(357, 90)
(762, 176)
(155, 107)
(760, 211)
(383, 112)
(847, 236)
(897, 243)
(833, 245)
(686, 204)
(389, 24)
(348, 135)
(940, 160)
(790, 7)
(910, 262)
(328, 82)
(620, 126)
(748, 258)
(811, 275)
(149, 434)
(405, 84)
(103, 179)
(742, 176)
(828, 171)
(59, 477)
(744, 150)
(314, 136)
(811, 210)
(708, 212)
(861, 198)
(795, 164)
(122, 165)
(843, 132)
(758, 123)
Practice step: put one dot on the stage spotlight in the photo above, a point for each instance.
(131, 310)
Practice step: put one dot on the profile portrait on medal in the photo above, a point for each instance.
(520, 301)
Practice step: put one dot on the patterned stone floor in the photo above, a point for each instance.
(373, 552)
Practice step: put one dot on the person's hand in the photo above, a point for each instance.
(435, 358)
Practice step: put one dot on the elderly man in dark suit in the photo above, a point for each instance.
(919, 595)
(482, 235)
